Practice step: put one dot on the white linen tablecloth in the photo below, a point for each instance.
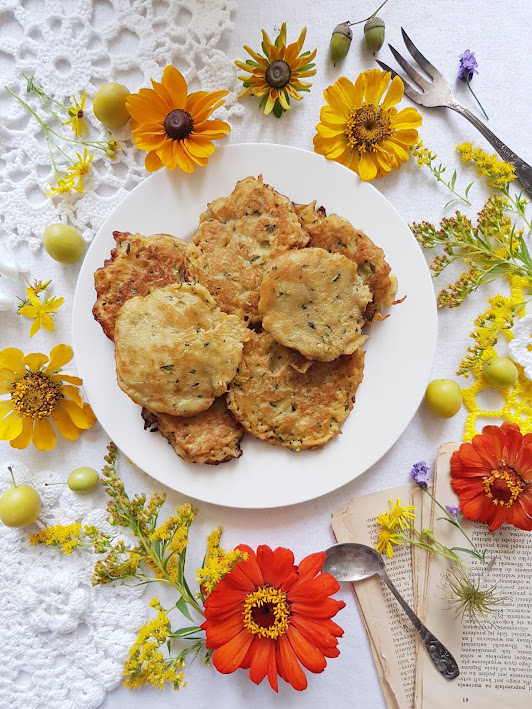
(498, 32)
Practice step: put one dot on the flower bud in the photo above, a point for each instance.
(374, 34)
(340, 42)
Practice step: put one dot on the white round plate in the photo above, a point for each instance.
(396, 373)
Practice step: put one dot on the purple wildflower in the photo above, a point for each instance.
(453, 511)
(420, 473)
(468, 66)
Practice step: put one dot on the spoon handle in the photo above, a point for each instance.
(438, 653)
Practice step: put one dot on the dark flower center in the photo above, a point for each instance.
(278, 74)
(503, 486)
(178, 124)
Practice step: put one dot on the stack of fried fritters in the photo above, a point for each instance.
(256, 324)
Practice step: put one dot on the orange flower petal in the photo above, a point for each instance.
(183, 161)
(198, 146)
(163, 93)
(250, 566)
(260, 659)
(146, 106)
(166, 154)
(289, 666)
(152, 162)
(176, 85)
(43, 435)
(227, 658)
(307, 653)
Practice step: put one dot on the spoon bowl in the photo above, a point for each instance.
(352, 562)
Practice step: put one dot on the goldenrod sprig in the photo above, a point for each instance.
(426, 157)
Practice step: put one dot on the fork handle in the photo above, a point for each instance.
(522, 169)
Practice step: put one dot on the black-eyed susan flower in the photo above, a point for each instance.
(362, 132)
(76, 116)
(276, 76)
(40, 390)
(173, 125)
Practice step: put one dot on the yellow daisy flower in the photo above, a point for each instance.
(40, 311)
(38, 390)
(387, 537)
(81, 167)
(76, 113)
(172, 125)
(363, 133)
(401, 516)
(64, 186)
(277, 76)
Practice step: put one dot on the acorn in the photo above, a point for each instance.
(340, 42)
(374, 34)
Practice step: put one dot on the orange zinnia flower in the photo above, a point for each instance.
(268, 615)
(492, 475)
(172, 126)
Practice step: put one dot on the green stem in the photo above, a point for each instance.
(476, 99)
(12, 476)
(478, 555)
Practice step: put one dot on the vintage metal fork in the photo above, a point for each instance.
(438, 93)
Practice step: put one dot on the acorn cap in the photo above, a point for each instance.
(343, 28)
(373, 22)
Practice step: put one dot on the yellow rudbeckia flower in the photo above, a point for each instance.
(40, 390)
(359, 131)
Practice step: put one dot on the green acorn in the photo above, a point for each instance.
(374, 34)
(340, 42)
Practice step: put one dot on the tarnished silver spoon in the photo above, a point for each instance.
(354, 562)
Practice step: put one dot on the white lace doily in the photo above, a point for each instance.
(64, 643)
(73, 46)
(521, 346)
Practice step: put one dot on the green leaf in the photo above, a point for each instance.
(287, 96)
(181, 605)
(307, 90)
(263, 101)
(307, 66)
(278, 110)
(182, 632)
(305, 54)
(264, 50)
(245, 84)
(470, 185)
(252, 63)
(453, 180)
(466, 551)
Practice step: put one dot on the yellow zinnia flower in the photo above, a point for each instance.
(39, 310)
(361, 133)
(276, 76)
(38, 391)
(172, 126)
(76, 116)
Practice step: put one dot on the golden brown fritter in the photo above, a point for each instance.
(137, 265)
(336, 235)
(287, 408)
(175, 351)
(210, 437)
(314, 301)
(236, 240)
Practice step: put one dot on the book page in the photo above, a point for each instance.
(392, 637)
(495, 661)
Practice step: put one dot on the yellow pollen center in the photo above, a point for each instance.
(266, 612)
(367, 127)
(35, 395)
(503, 486)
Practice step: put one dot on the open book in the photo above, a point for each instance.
(496, 660)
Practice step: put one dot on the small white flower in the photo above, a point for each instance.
(521, 346)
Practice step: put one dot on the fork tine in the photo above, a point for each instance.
(412, 73)
(420, 59)
(409, 91)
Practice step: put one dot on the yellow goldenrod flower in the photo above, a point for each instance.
(39, 310)
(39, 391)
(76, 116)
(423, 155)
(64, 536)
(277, 76)
(498, 172)
(217, 562)
(401, 516)
(362, 132)
(387, 537)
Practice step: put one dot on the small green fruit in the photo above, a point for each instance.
(63, 243)
(500, 372)
(82, 479)
(444, 398)
(340, 42)
(20, 505)
(109, 105)
(374, 34)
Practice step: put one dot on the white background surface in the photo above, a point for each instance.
(498, 31)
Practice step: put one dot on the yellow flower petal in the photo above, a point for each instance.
(257, 57)
(11, 426)
(43, 435)
(47, 322)
(28, 311)
(82, 417)
(59, 356)
(13, 359)
(72, 392)
(198, 146)
(66, 427)
(176, 85)
(395, 93)
(24, 439)
(152, 162)
(56, 303)
(407, 118)
(183, 160)
(406, 137)
(5, 387)
(32, 297)
(270, 103)
(64, 376)
(327, 132)
(166, 154)
(331, 117)
(397, 150)
(35, 326)
(5, 407)
(282, 100)
(367, 169)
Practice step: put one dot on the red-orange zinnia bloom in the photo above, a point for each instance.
(268, 615)
(492, 475)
